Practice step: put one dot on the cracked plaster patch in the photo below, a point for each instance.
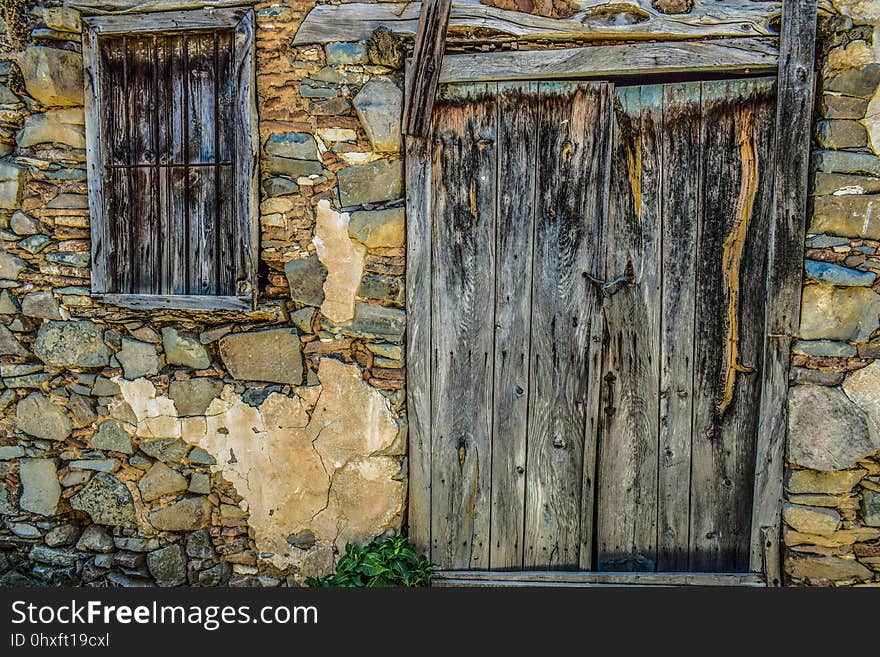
(344, 260)
(322, 460)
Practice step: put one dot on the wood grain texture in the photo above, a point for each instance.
(626, 530)
(711, 56)
(96, 155)
(517, 163)
(573, 137)
(597, 19)
(418, 338)
(796, 84)
(165, 21)
(175, 302)
(464, 184)
(424, 73)
(560, 578)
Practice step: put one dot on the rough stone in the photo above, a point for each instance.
(185, 515)
(98, 465)
(40, 488)
(861, 82)
(823, 348)
(184, 349)
(343, 260)
(811, 519)
(165, 449)
(138, 359)
(378, 228)
(34, 243)
(272, 355)
(841, 133)
(201, 457)
(379, 106)
(844, 314)
(10, 265)
(161, 480)
(192, 397)
(871, 508)
(39, 416)
(62, 19)
(7, 505)
(830, 483)
(850, 215)
(279, 186)
(62, 535)
(53, 556)
(826, 430)
(52, 76)
(285, 166)
(41, 304)
(831, 274)
(22, 224)
(294, 145)
(384, 288)
(199, 545)
(11, 180)
(72, 344)
(112, 436)
(380, 180)
(168, 566)
(388, 323)
(306, 278)
(10, 452)
(303, 318)
(825, 568)
(863, 388)
(24, 530)
(846, 162)
(834, 106)
(9, 344)
(107, 501)
(60, 126)
(95, 539)
(200, 483)
(346, 53)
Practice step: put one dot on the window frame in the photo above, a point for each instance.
(245, 131)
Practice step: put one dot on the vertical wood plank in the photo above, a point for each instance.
(97, 159)
(731, 266)
(227, 232)
(572, 140)
(627, 474)
(681, 175)
(418, 338)
(464, 270)
(517, 160)
(794, 105)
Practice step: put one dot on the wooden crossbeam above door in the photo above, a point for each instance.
(426, 62)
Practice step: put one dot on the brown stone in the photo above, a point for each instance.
(185, 515)
(813, 569)
(161, 480)
(844, 314)
(849, 215)
(811, 520)
(273, 355)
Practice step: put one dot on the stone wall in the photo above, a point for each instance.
(832, 484)
(203, 448)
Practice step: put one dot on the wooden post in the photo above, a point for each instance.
(796, 82)
(427, 58)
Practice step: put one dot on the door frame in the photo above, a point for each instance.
(794, 61)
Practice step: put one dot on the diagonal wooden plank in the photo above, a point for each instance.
(425, 69)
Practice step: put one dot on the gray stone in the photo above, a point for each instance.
(378, 228)
(200, 546)
(213, 576)
(200, 456)
(841, 134)
(62, 535)
(38, 416)
(346, 53)
(95, 539)
(384, 288)
(312, 89)
(10, 452)
(834, 106)
(138, 359)
(272, 355)
(193, 397)
(388, 323)
(826, 430)
(107, 501)
(96, 465)
(11, 179)
(200, 483)
(134, 544)
(161, 480)
(40, 488)
(861, 82)
(22, 224)
(306, 278)
(303, 540)
(213, 334)
(847, 314)
(72, 344)
(379, 106)
(34, 243)
(871, 508)
(70, 258)
(10, 266)
(60, 126)
(831, 274)
(273, 187)
(844, 184)
(104, 387)
(8, 304)
(302, 319)
(285, 166)
(53, 556)
(9, 344)
(850, 215)
(53, 77)
(41, 304)
(19, 369)
(293, 145)
(7, 505)
(184, 349)
(165, 449)
(823, 348)
(185, 515)
(846, 162)
(380, 180)
(168, 566)
(24, 530)
(330, 107)
(82, 409)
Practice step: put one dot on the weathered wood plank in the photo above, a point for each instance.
(165, 21)
(772, 557)
(425, 70)
(572, 141)
(464, 184)
(561, 578)
(743, 55)
(96, 156)
(226, 232)
(172, 188)
(796, 85)
(626, 531)
(517, 160)
(597, 19)
(175, 301)
(681, 178)
(418, 338)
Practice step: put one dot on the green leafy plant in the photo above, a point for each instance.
(390, 561)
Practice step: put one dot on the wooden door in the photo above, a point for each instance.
(596, 255)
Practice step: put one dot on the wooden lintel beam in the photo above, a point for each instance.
(427, 58)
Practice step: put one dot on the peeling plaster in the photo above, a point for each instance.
(323, 459)
(344, 260)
